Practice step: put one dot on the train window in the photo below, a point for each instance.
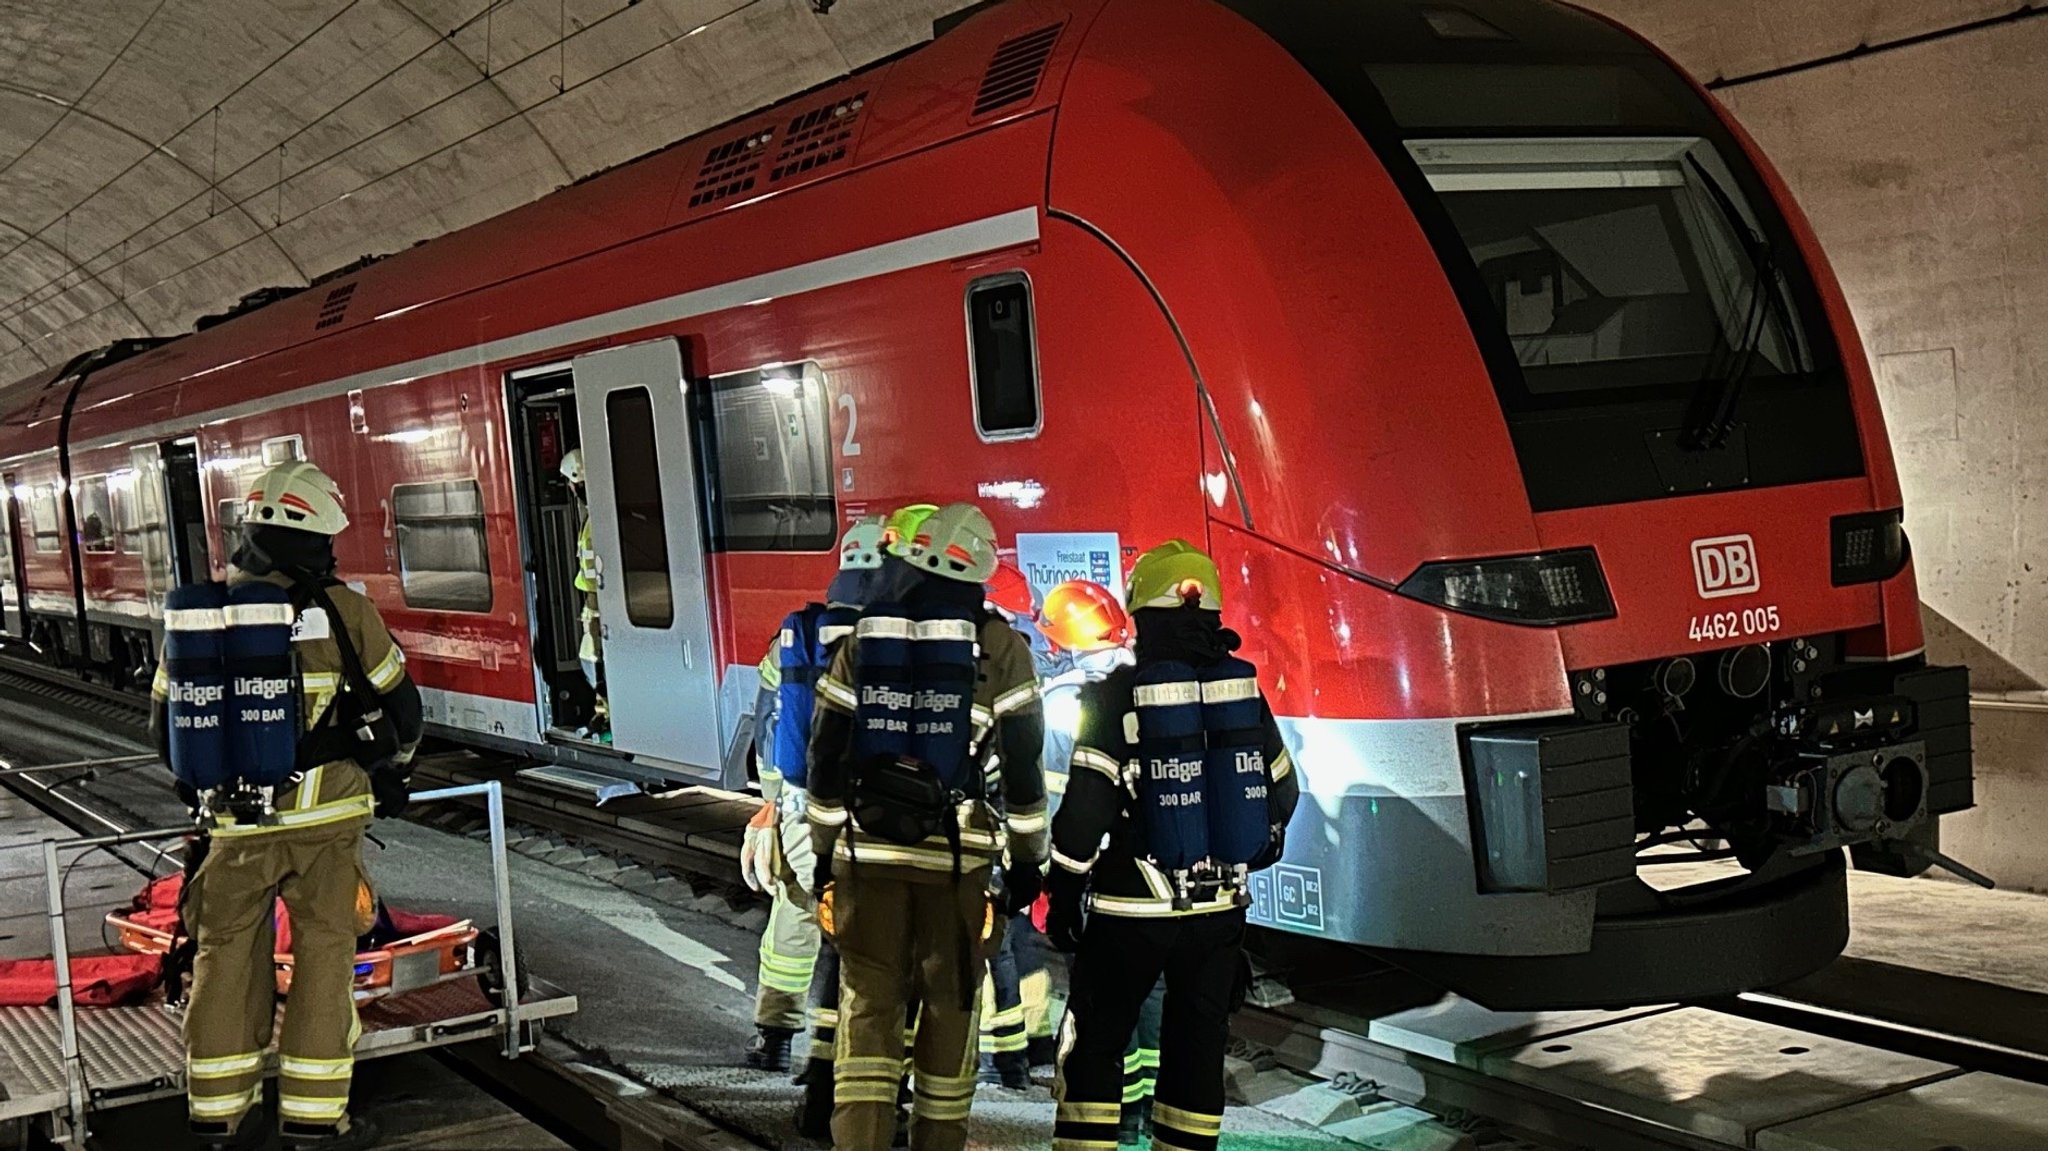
(636, 498)
(42, 518)
(444, 561)
(231, 528)
(1003, 357)
(1614, 263)
(95, 511)
(127, 511)
(768, 439)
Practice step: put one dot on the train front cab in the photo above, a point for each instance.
(1703, 647)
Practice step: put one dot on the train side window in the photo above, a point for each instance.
(768, 436)
(42, 518)
(636, 499)
(127, 511)
(444, 560)
(1003, 357)
(231, 528)
(95, 510)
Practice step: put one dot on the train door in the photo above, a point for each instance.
(661, 674)
(544, 431)
(13, 596)
(185, 512)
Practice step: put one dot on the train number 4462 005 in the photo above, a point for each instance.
(1733, 624)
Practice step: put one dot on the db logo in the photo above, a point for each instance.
(1725, 565)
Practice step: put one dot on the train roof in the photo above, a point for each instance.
(993, 66)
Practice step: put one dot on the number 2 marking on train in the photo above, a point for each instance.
(850, 446)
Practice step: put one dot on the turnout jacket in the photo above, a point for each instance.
(1011, 731)
(1097, 832)
(338, 790)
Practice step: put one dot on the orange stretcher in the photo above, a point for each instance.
(396, 950)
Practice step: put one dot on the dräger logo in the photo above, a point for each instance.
(1725, 565)
(197, 695)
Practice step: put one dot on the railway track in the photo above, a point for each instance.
(1328, 1034)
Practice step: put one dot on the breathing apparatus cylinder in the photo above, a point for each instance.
(1234, 767)
(1170, 793)
(194, 627)
(263, 695)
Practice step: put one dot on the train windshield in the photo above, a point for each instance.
(1618, 264)
(1648, 321)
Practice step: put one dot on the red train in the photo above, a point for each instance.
(1482, 348)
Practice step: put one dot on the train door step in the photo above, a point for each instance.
(595, 787)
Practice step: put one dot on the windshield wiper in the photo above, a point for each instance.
(1713, 408)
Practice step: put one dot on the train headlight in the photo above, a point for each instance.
(1868, 547)
(1545, 589)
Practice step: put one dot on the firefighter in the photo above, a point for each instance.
(1004, 1040)
(907, 820)
(359, 723)
(775, 855)
(814, 1110)
(590, 652)
(1179, 764)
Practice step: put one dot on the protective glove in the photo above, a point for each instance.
(1063, 919)
(1021, 885)
(824, 911)
(390, 793)
(757, 851)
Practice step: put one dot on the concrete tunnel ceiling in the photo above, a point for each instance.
(159, 158)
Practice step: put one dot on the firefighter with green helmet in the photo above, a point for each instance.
(924, 772)
(775, 852)
(349, 719)
(1179, 788)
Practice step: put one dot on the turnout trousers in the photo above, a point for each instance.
(900, 933)
(229, 911)
(1120, 960)
(789, 944)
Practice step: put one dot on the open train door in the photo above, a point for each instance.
(13, 596)
(660, 671)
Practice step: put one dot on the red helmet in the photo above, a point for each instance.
(1082, 615)
(1010, 591)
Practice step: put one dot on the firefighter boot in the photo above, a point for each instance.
(357, 1135)
(1133, 1123)
(768, 1050)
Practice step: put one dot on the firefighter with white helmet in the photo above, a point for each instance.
(590, 652)
(924, 772)
(356, 721)
(1179, 788)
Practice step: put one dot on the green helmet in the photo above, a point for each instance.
(860, 549)
(1172, 574)
(956, 542)
(902, 527)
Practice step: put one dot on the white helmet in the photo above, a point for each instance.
(296, 495)
(860, 549)
(572, 465)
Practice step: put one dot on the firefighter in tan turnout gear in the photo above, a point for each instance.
(286, 795)
(924, 772)
(590, 647)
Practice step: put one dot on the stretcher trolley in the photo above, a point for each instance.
(443, 985)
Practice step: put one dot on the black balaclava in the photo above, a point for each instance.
(268, 548)
(938, 591)
(1188, 634)
(853, 587)
(894, 581)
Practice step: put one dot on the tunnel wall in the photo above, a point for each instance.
(1923, 168)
